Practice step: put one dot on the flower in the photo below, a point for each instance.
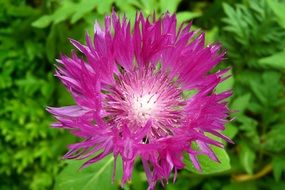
(129, 98)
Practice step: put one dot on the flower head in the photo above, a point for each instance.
(129, 95)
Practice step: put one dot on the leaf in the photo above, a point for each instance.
(238, 186)
(65, 97)
(83, 8)
(236, 23)
(211, 35)
(149, 6)
(227, 84)
(41, 180)
(186, 15)
(66, 9)
(98, 175)
(186, 94)
(209, 166)
(128, 7)
(21, 11)
(230, 130)
(104, 7)
(42, 22)
(5, 81)
(274, 139)
(51, 44)
(138, 181)
(276, 60)
(247, 157)
(273, 185)
(279, 10)
(171, 6)
(240, 104)
(249, 127)
(278, 166)
(262, 88)
(228, 10)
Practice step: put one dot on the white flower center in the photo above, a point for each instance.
(144, 106)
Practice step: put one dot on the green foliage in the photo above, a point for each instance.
(278, 165)
(252, 28)
(28, 150)
(278, 7)
(209, 166)
(72, 10)
(275, 137)
(247, 157)
(276, 60)
(97, 175)
(227, 84)
(253, 35)
(34, 33)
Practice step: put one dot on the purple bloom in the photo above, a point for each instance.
(128, 92)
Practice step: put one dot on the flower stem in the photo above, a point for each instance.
(247, 177)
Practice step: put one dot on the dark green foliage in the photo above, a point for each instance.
(255, 42)
(29, 149)
(34, 32)
(254, 30)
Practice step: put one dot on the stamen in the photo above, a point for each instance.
(145, 95)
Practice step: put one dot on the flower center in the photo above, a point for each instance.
(143, 95)
(144, 106)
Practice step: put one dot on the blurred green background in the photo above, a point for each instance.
(34, 32)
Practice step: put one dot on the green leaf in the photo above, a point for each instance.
(209, 166)
(262, 88)
(238, 186)
(278, 166)
(185, 16)
(138, 181)
(97, 175)
(249, 126)
(104, 7)
(128, 7)
(5, 81)
(186, 94)
(65, 97)
(274, 139)
(276, 60)
(240, 104)
(83, 8)
(41, 180)
(21, 11)
(247, 157)
(149, 6)
(211, 35)
(42, 22)
(227, 84)
(279, 10)
(66, 9)
(171, 6)
(230, 130)
(236, 23)
(51, 44)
